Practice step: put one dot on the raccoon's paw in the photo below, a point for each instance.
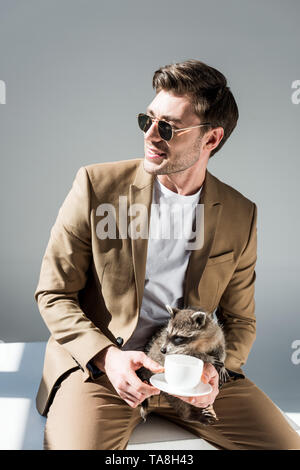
(223, 376)
(210, 414)
(203, 415)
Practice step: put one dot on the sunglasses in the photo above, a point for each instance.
(166, 131)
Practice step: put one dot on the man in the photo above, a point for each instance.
(103, 295)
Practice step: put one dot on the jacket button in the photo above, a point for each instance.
(120, 341)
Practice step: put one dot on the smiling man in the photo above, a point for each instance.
(103, 298)
(184, 158)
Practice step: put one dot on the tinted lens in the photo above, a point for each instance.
(144, 122)
(165, 130)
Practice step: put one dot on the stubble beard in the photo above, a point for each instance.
(178, 163)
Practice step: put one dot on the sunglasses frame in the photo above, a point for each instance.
(152, 119)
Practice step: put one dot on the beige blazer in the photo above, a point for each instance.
(90, 290)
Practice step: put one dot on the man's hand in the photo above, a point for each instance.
(120, 367)
(211, 376)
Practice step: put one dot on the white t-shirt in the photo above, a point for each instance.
(170, 231)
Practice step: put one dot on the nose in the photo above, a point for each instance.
(152, 133)
(163, 350)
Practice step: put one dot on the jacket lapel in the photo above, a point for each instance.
(198, 258)
(141, 193)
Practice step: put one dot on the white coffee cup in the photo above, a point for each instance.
(183, 371)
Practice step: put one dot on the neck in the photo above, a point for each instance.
(186, 182)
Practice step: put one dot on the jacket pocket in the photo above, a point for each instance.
(220, 258)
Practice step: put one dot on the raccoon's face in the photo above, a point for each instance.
(185, 330)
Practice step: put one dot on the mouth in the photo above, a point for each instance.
(154, 153)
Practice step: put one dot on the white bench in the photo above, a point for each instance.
(21, 426)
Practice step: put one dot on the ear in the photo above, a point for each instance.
(199, 317)
(214, 138)
(172, 310)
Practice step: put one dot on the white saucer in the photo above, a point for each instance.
(159, 381)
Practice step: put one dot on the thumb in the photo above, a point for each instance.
(204, 378)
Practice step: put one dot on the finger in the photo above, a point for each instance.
(142, 395)
(133, 393)
(154, 389)
(208, 372)
(129, 399)
(141, 387)
(215, 380)
(201, 404)
(194, 402)
(214, 383)
(204, 378)
(209, 399)
(131, 403)
(152, 365)
(141, 359)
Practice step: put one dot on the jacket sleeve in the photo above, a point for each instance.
(63, 275)
(236, 310)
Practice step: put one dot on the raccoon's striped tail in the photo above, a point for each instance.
(144, 409)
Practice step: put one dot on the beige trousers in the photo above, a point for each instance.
(91, 415)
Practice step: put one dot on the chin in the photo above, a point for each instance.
(150, 167)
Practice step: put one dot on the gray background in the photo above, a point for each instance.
(71, 67)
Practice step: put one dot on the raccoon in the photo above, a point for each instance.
(194, 332)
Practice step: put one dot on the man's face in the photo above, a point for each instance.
(183, 150)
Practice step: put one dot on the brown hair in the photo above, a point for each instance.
(207, 88)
